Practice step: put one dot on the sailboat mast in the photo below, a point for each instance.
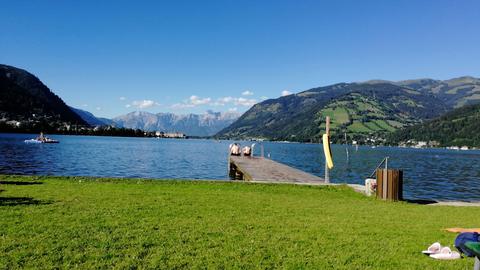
(346, 145)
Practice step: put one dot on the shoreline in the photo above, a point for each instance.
(455, 148)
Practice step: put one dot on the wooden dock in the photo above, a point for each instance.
(261, 169)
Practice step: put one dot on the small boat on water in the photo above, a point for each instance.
(38, 141)
(41, 139)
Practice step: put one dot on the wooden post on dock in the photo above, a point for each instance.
(327, 131)
(390, 184)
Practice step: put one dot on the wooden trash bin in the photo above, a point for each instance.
(390, 184)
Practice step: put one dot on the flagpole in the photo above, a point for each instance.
(327, 131)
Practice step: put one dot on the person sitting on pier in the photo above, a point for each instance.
(247, 151)
(235, 150)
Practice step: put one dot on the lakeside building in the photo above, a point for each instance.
(177, 135)
(419, 144)
(14, 123)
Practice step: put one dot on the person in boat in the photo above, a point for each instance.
(41, 138)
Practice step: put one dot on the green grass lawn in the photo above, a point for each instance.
(54, 222)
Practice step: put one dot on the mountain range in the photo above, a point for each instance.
(23, 97)
(91, 119)
(202, 125)
(206, 124)
(26, 101)
(373, 109)
(362, 110)
(455, 93)
(460, 127)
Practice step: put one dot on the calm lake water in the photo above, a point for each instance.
(428, 173)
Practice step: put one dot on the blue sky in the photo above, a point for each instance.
(113, 57)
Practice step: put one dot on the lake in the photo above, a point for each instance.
(438, 174)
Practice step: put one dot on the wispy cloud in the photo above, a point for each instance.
(98, 108)
(245, 102)
(240, 101)
(181, 106)
(286, 93)
(247, 93)
(122, 98)
(128, 106)
(191, 102)
(143, 104)
(195, 100)
(235, 109)
(223, 101)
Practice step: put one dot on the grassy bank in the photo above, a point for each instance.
(48, 222)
